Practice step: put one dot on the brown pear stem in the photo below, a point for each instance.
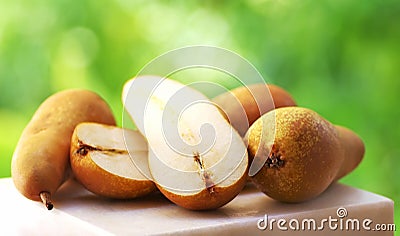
(46, 199)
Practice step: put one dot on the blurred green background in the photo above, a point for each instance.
(338, 57)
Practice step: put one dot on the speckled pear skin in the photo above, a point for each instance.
(302, 150)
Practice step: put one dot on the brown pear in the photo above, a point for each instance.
(244, 105)
(297, 154)
(40, 163)
(354, 150)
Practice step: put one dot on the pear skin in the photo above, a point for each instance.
(300, 153)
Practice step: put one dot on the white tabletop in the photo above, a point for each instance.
(79, 212)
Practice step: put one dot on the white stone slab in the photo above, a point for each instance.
(78, 212)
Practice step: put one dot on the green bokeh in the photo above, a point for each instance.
(338, 57)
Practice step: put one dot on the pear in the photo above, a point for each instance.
(40, 163)
(110, 161)
(197, 160)
(354, 150)
(244, 105)
(296, 154)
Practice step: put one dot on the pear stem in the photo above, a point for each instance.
(46, 199)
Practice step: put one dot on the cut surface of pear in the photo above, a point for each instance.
(196, 158)
(110, 161)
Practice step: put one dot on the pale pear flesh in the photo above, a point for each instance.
(192, 147)
(118, 151)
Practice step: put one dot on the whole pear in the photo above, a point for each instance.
(244, 105)
(296, 154)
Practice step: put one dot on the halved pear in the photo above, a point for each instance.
(110, 161)
(196, 158)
